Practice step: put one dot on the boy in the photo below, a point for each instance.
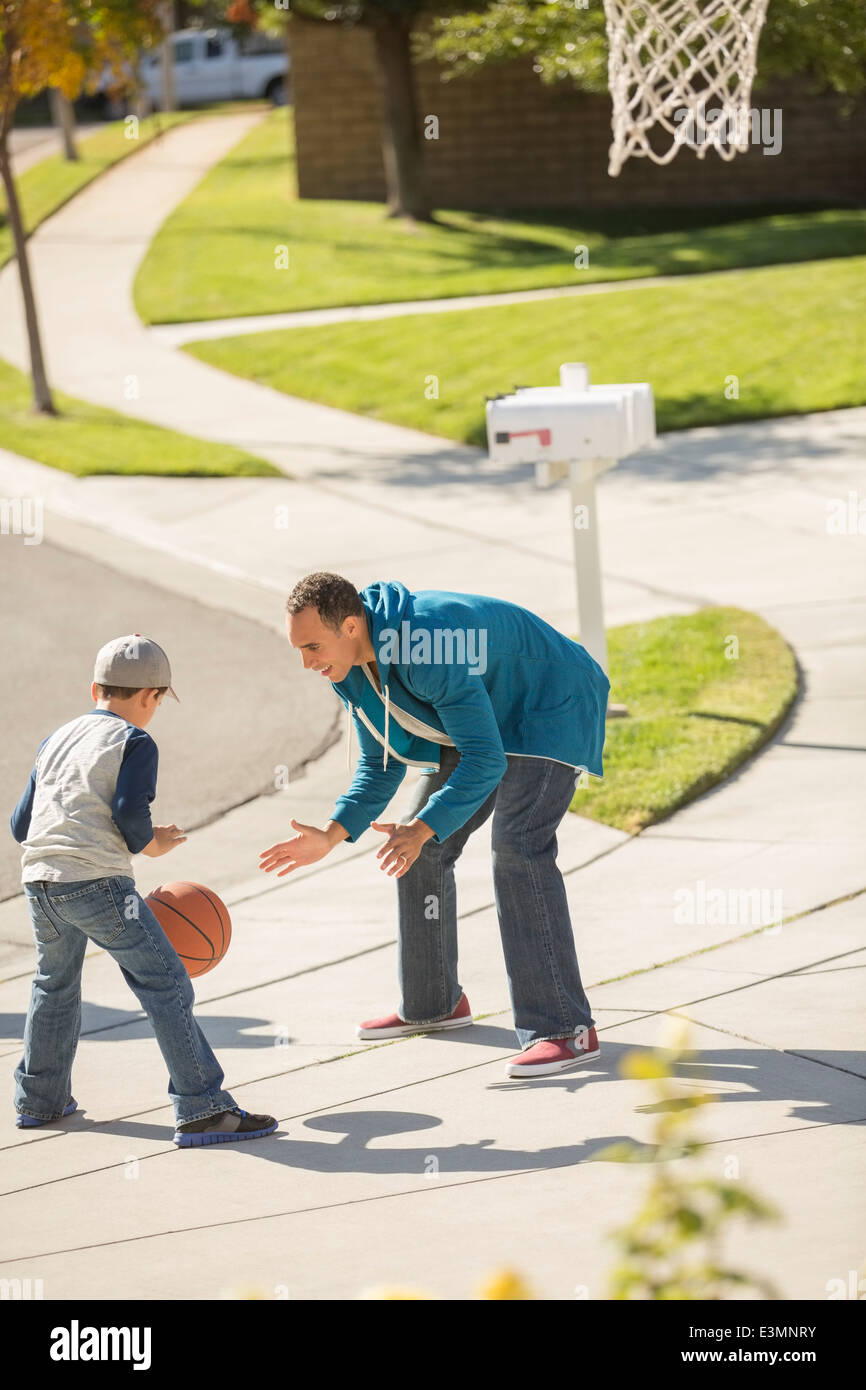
(85, 810)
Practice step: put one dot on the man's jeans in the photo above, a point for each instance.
(110, 913)
(537, 940)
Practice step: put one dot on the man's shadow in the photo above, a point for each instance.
(808, 1090)
(102, 1024)
(357, 1150)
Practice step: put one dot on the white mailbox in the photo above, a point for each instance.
(570, 423)
(577, 431)
(531, 426)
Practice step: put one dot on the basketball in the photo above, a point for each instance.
(196, 922)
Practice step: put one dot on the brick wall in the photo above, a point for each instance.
(506, 141)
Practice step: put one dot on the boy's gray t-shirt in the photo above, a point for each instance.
(86, 807)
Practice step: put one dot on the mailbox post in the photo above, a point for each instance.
(577, 431)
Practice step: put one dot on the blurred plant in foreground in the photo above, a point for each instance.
(671, 1247)
(505, 1284)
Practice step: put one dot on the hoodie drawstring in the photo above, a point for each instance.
(349, 723)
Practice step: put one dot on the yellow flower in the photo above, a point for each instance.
(505, 1285)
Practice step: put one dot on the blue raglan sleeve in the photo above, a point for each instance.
(19, 823)
(464, 707)
(372, 786)
(135, 790)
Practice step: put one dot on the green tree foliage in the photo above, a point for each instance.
(820, 41)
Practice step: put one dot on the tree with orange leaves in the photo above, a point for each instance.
(62, 44)
(241, 12)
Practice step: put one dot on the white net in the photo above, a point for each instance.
(684, 67)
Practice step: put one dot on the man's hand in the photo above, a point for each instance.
(307, 847)
(402, 846)
(165, 837)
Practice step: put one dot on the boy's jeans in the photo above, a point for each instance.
(537, 941)
(109, 912)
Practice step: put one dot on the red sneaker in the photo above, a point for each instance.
(556, 1054)
(395, 1027)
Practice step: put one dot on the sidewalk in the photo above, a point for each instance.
(84, 261)
(416, 1163)
(196, 330)
(29, 145)
(780, 1037)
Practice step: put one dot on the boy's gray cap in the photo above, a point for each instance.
(134, 662)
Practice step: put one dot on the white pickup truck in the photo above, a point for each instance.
(214, 65)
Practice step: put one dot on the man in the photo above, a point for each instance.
(502, 712)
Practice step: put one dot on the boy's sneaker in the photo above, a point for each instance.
(393, 1026)
(556, 1054)
(28, 1121)
(228, 1127)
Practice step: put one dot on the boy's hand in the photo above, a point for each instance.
(307, 847)
(165, 837)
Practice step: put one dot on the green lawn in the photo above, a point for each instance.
(88, 439)
(45, 187)
(695, 714)
(215, 255)
(792, 335)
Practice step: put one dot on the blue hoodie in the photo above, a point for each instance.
(492, 676)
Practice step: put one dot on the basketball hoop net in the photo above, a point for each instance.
(683, 66)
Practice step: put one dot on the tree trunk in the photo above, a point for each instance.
(287, 44)
(63, 117)
(401, 145)
(169, 95)
(142, 105)
(290, 101)
(41, 392)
